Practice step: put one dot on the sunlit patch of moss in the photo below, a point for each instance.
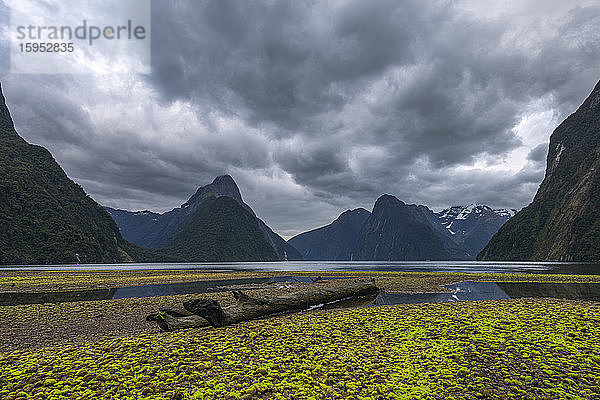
(499, 349)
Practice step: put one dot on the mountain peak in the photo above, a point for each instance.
(224, 185)
(472, 210)
(223, 180)
(337, 241)
(5, 118)
(350, 213)
(388, 199)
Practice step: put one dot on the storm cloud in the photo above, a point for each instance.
(316, 107)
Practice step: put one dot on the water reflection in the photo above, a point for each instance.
(463, 291)
(480, 291)
(414, 266)
(161, 289)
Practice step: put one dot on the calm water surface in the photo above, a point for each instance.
(461, 291)
(414, 266)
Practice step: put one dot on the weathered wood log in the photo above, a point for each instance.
(170, 319)
(175, 312)
(168, 322)
(210, 312)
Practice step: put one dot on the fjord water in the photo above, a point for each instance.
(405, 266)
(461, 291)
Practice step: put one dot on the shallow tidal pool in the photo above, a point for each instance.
(527, 349)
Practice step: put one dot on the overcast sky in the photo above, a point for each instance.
(315, 107)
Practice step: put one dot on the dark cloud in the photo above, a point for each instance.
(315, 107)
(538, 153)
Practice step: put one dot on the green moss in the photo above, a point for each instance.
(499, 349)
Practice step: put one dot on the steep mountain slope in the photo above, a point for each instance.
(473, 226)
(397, 231)
(563, 221)
(337, 241)
(155, 230)
(463, 231)
(44, 216)
(222, 230)
(139, 225)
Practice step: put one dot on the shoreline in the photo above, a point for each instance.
(40, 325)
(395, 281)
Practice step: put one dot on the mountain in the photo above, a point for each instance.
(563, 221)
(45, 217)
(168, 231)
(153, 230)
(337, 241)
(397, 231)
(473, 226)
(137, 227)
(222, 230)
(462, 231)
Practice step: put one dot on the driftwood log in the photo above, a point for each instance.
(204, 312)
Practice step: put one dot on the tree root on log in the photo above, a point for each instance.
(204, 312)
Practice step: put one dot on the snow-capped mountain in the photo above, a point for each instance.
(399, 231)
(474, 225)
(506, 212)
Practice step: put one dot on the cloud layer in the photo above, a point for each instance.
(316, 107)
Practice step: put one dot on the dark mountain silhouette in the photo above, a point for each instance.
(170, 231)
(397, 231)
(221, 230)
(337, 241)
(462, 230)
(45, 217)
(563, 221)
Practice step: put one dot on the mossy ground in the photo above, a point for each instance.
(527, 349)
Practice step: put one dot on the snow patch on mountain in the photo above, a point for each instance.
(472, 209)
(473, 223)
(143, 213)
(506, 212)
